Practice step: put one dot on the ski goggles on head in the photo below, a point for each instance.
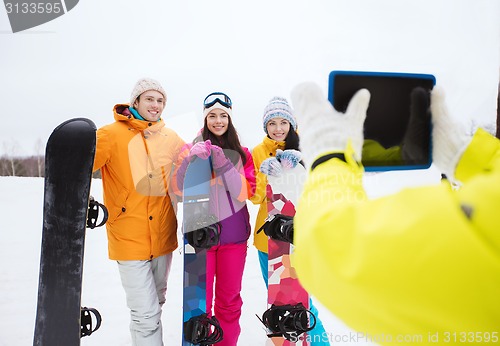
(213, 98)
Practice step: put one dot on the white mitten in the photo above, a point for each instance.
(324, 129)
(449, 137)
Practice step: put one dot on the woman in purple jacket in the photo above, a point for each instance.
(233, 182)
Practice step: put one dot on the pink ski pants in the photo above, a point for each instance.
(225, 264)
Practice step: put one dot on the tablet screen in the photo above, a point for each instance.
(387, 125)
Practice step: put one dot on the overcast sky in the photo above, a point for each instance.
(82, 63)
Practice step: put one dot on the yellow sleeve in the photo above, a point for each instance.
(410, 264)
(482, 155)
(479, 170)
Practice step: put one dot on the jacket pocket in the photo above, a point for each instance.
(118, 206)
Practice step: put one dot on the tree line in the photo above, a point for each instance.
(31, 166)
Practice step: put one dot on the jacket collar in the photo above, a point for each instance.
(122, 114)
(273, 145)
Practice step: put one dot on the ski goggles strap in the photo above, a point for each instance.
(215, 97)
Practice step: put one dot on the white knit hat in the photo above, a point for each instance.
(145, 84)
(278, 107)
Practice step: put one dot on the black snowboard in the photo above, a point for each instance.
(69, 159)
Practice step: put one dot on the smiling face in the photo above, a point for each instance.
(278, 128)
(150, 105)
(217, 121)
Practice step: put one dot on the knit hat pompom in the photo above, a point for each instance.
(278, 107)
(145, 84)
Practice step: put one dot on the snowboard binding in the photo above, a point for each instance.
(288, 321)
(93, 214)
(86, 321)
(205, 232)
(278, 227)
(203, 330)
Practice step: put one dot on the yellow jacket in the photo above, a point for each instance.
(266, 149)
(424, 262)
(135, 158)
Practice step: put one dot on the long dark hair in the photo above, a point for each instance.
(229, 140)
(292, 139)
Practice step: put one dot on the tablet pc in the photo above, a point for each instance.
(387, 117)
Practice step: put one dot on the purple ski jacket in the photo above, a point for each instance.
(229, 191)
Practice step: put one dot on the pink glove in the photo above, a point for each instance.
(219, 159)
(201, 149)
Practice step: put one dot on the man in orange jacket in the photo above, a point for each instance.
(135, 155)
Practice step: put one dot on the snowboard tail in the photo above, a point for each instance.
(69, 159)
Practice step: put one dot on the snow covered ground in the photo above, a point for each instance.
(20, 236)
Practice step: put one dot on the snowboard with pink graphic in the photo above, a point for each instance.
(288, 318)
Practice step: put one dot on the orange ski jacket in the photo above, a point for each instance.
(136, 159)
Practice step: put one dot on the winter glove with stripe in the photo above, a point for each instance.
(288, 158)
(272, 167)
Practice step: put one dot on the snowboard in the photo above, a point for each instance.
(201, 231)
(69, 158)
(288, 317)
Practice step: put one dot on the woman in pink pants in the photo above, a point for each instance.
(233, 182)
